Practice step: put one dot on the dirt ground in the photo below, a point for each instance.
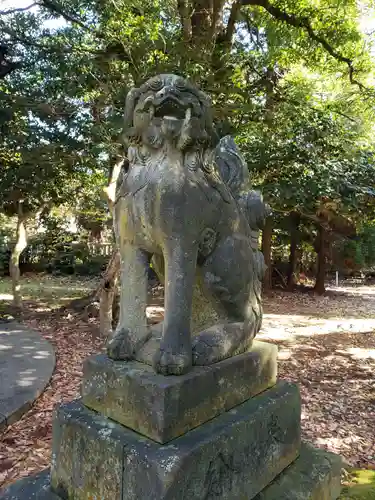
(326, 345)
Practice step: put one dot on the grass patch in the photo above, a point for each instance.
(360, 485)
(48, 291)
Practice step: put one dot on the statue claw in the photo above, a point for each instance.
(167, 363)
(120, 347)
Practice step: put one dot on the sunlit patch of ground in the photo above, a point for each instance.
(44, 292)
(6, 296)
(327, 346)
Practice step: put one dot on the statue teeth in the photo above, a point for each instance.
(170, 117)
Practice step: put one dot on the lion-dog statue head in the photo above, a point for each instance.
(168, 107)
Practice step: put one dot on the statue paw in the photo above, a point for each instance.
(167, 363)
(218, 343)
(120, 346)
(209, 348)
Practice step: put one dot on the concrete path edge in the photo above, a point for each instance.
(27, 362)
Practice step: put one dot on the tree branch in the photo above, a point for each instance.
(5, 69)
(15, 37)
(56, 48)
(53, 110)
(250, 30)
(235, 9)
(53, 7)
(304, 23)
(201, 20)
(6, 66)
(20, 9)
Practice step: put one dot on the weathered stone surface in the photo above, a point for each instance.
(35, 487)
(87, 455)
(315, 475)
(234, 455)
(192, 209)
(163, 408)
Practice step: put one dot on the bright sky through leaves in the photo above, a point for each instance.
(20, 4)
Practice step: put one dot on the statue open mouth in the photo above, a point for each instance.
(170, 107)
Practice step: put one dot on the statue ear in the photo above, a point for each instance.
(130, 103)
(206, 104)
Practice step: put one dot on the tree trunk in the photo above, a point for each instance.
(267, 253)
(321, 261)
(108, 288)
(110, 190)
(108, 285)
(14, 268)
(293, 256)
(106, 309)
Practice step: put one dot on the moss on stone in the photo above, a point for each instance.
(359, 486)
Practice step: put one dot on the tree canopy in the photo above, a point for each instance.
(292, 81)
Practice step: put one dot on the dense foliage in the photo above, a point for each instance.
(293, 81)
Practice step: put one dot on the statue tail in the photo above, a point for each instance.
(235, 174)
(232, 166)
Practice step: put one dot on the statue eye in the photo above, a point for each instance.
(180, 85)
(156, 84)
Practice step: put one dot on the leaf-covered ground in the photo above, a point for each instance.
(326, 345)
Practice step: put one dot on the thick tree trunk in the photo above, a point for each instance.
(20, 245)
(293, 256)
(267, 253)
(201, 20)
(321, 261)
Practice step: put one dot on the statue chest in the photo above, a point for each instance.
(161, 198)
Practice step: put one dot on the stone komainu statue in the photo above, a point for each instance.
(184, 201)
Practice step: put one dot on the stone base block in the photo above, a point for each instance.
(36, 487)
(163, 408)
(234, 456)
(315, 475)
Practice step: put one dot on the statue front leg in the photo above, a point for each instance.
(174, 356)
(132, 331)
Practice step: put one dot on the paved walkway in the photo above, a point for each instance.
(27, 362)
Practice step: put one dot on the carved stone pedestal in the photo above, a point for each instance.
(234, 455)
(314, 475)
(163, 408)
(227, 431)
